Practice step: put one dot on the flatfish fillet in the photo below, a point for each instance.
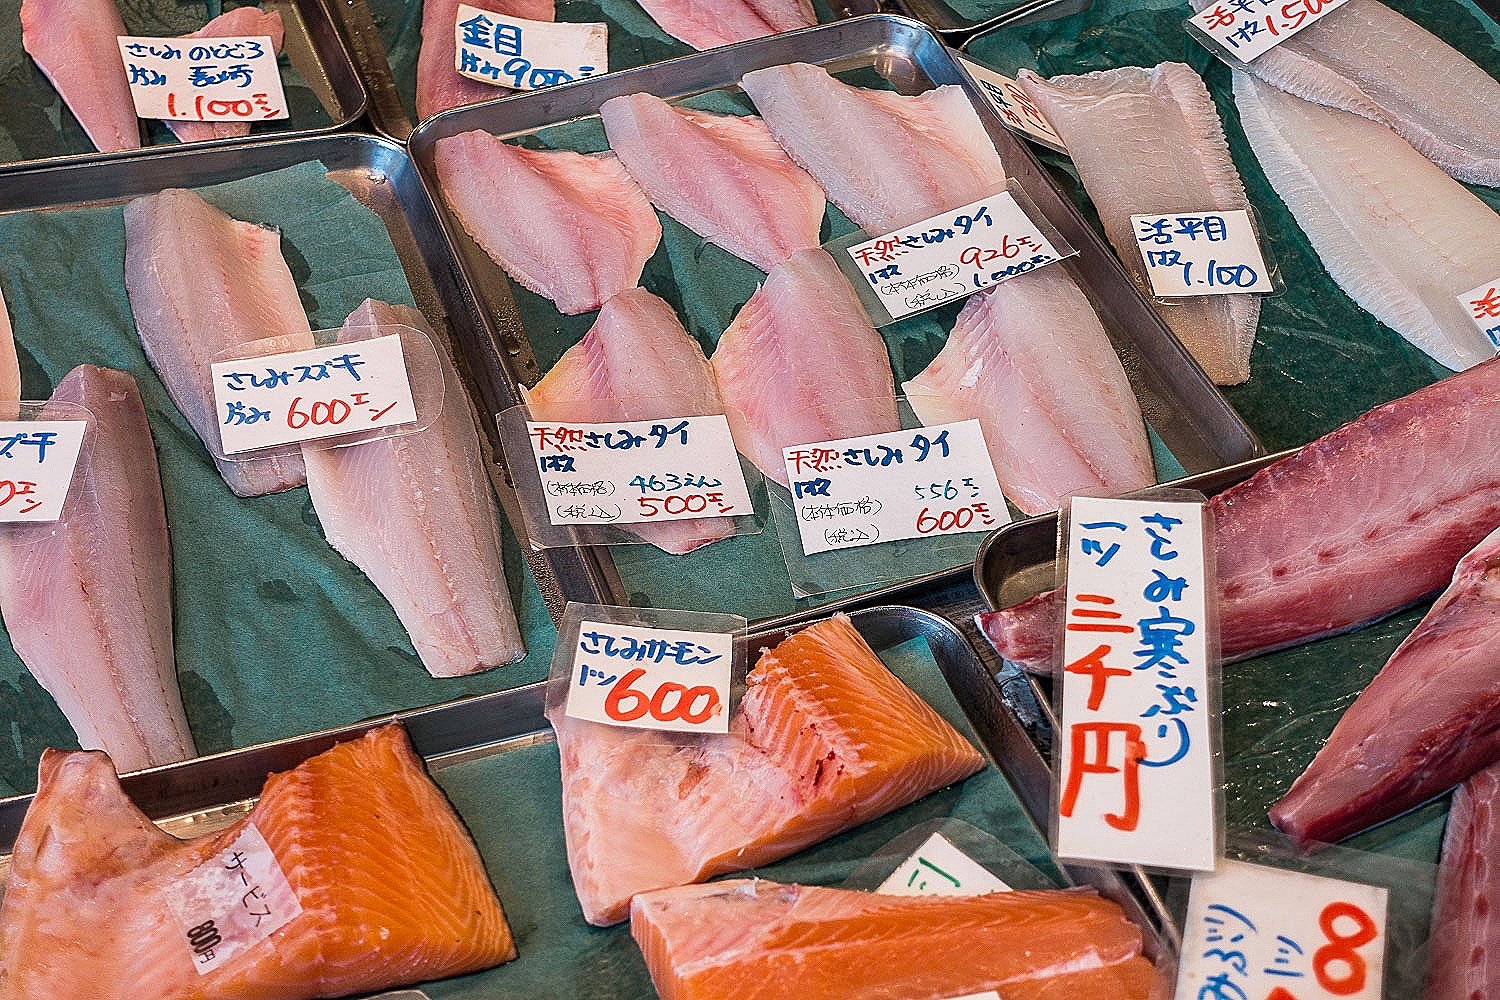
(390, 888)
(707, 24)
(439, 84)
(825, 738)
(1463, 958)
(242, 22)
(74, 43)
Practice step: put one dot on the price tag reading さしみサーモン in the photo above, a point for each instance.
(651, 678)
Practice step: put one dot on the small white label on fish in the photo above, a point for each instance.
(37, 463)
(527, 55)
(937, 868)
(1255, 931)
(1245, 29)
(232, 901)
(204, 79)
(1483, 306)
(986, 995)
(651, 678)
(1009, 100)
(1201, 253)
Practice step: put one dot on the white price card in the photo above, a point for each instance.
(37, 461)
(232, 901)
(1271, 934)
(307, 395)
(986, 995)
(1482, 304)
(651, 678)
(937, 868)
(1136, 746)
(1245, 29)
(204, 79)
(527, 55)
(1013, 105)
(902, 484)
(1201, 253)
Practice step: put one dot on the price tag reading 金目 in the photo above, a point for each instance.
(1483, 306)
(1201, 253)
(232, 901)
(37, 461)
(937, 868)
(1015, 107)
(1246, 29)
(527, 55)
(651, 678)
(204, 79)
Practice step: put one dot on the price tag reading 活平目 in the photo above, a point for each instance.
(1254, 931)
(1015, 107)
(204, 79)
(37, 461)
(1245, 29)
(1483, 306)
(651, 678)
(1201, 253)
(937, 868)
(232, 901)
(527, 55)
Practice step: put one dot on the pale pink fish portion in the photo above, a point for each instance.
(1463, 958)
(886, 160)
(707, 24)
(1030, 361)
(439, 84)
(576, 229)
(636, 363)
(88, 599)
(722, 176)
(202, 284)
(10, 366)
(242, 22)
(801, 364)
(415, 512)
(74, 43)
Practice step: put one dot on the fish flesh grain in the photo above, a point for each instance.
(574, 228)
(439, 84)
(707, 24)
(201, 286)
(636, 363)
(824, 739)
(1031, 362)
(756, 940)
(391, 889)
(782, 385)
(242, 22)
(722, 176)
(885, 160)
(1162, 122)
(1362, 522)
(87, 599)
(74, 43)
(1401, 237)
(416, 514)
(1463, 959)
(10, 366)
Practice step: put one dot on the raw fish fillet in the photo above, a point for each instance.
(74, 43)
(707, 24)
(571, 227)
(1463, 959)
(636, 363)
(756, 940)
(1364, 521)
(722, 176)
(825, 738)
(1030, 361)
(10, 367)
(88, 599)
(1401, 237)
(390, 886)
(416, 514)
(801, 364)
(1162, 123)
(439, 85)
(886, 160)
(201, 284)
(242, 22)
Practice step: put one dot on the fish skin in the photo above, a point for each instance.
(555, 192)
(242, 22)
(439, 85)
(1462, 954)
(885, 160)
(200, 284)
(10, 366)
(707, 24)
(722, 176)
(87, 599)
(74, 43)
(1163, 123)
(1401, 238)
(824, 739)
(392, 889)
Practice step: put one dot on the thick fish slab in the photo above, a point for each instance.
(73, 41)
(201, 284)
(88, 599)
(1162, 123)
(574, 228)
(439, 85)
(886, 160)
(391, 889)
(1030, 361)
(1401, 237)
(825, 738)
(241, 22)
(707, 24)
(722, 176)
(1463, 959)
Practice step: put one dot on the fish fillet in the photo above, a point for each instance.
(74, 43)
(242, 22)
(722, 176)
(1162, 123)
(886, 160)
(439, 85)
(10, 366)
(707, 24)
(1463, 959)
(416, 513)
(1360, 523)
(390, 886)
(801, 364)
(573, 228)
(1030, 361)
(202, 284)
(88, 599)
(825, 738)
(1402, 238)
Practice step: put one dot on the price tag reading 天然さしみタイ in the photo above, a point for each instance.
(1201, 253)
(1243, 30)
(527, 55)
(1482, 303)
(204, 79)
(232, 901)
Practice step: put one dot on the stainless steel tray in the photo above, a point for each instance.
(955, 29)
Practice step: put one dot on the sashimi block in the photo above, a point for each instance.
(439, 84)
(1463, 958)
(707, 24)
(242, 22)
(74, 43)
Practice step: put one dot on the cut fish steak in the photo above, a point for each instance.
(1463, 958)
(439, 84)
(707, 24)
(74, 43)
(242, 22)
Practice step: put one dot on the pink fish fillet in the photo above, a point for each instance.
(10, 367)
(439, 84)
(1030, 361)
(886, 160)
(707, 24)
(801, 364)
(636, 363)
(201, 284)
(1463, 957)
(571, 227)
(88, 599)
(74, 43)
(416, 513)
(722, 176)
(242, 22)
(1364, 521)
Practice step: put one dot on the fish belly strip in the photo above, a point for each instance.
(74, 42)
(1463, 959)
(242, 22)
(439, 85)
(707, 24)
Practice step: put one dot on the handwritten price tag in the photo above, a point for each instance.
(1245, 29)
(1009, 100)
(232, 901)
(651, 678)
(527, 55)
(1201, 253)
(1483, 306)
(204, 79)
(37, 460)
(937, 868)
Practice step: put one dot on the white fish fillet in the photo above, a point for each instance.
(73, 41)
(707, 24)
(1400, 236)
(1149, 142)
(10, 367)
(242, 22)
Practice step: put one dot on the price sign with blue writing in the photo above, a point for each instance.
(204, 79)
(1482, 304)
(937, 868)
(527, 55)
(651, 678)
(235, 899)
(37, 460)
(1245, 29)
(1201, 253)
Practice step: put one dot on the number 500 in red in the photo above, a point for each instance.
(670, 702)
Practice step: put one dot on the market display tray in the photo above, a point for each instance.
(956, 20)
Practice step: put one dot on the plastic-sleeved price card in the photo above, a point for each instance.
(1015, 108)
(938, 868)
(38, 459)
(1482, 303)
(1243, 30)
(204, 79)
(527, 55)
(232, 901)
(1201, 253)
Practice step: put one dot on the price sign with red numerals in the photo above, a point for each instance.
(204, 79)
(677, 680)
(1243, 30)
(1482, 305)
